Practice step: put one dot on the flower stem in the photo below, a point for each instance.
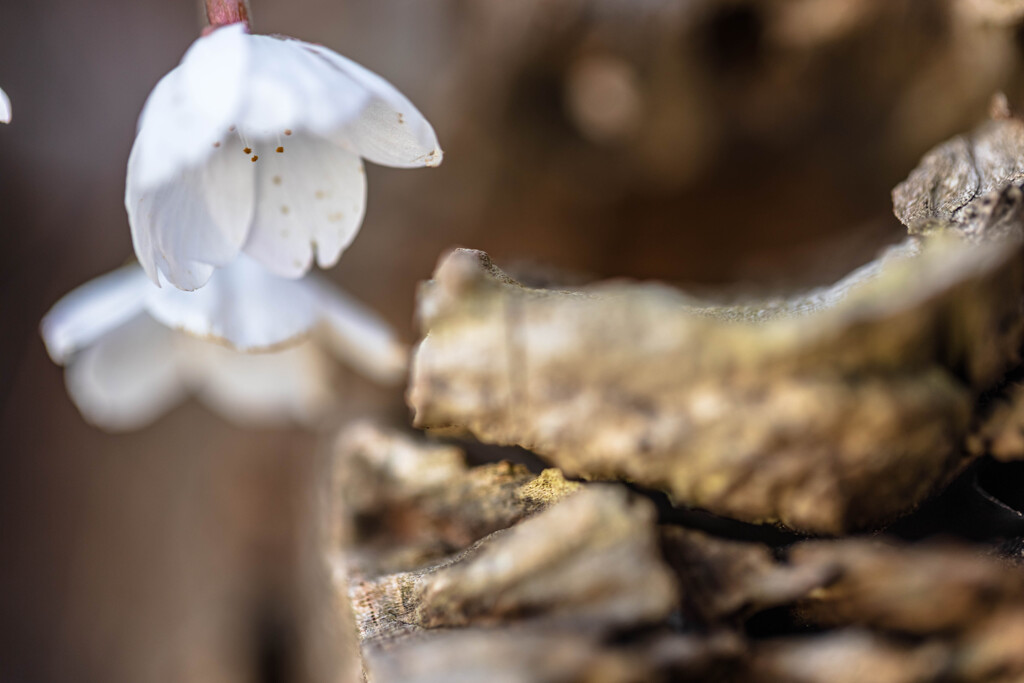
(225, 12)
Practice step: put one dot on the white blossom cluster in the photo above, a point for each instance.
(247, 169)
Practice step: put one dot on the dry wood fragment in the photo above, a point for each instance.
(1000, 12)
(827, 411)
(992, 650)
(541, 655)
(534, 602)
(588, 588)
(830, 410)
(920, 590)
(640, 383)
(1000, 433)
(513, 655)
(722, 582)
(403, 501)
(939, 604)
(591, 563)
(970, 182)
(847, 656)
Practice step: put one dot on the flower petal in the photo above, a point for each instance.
(291, 385)
(193, 222)
(128, 378)
(192, 107)
(5, 107)
(359, 336)
(311, 197)
(389, 130)
(288, 87)
(243, 305)
(92, 310)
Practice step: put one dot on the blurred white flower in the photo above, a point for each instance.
(128, 359)
(254, 144)
(5, 107)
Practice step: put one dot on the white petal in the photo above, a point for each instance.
(360, 337)
(92, 310)
(128, 378)
(5, 107)
(213, 72)
(389, 130)
(195, 221)
(289, 87)
(291, 385)
(311, 198)
(242, 305)
(192, 107)
(170, 137)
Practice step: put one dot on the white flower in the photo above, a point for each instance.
(128, 360)
(253, 144)
(5, 107)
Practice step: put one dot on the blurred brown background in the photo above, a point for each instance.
(701, 141)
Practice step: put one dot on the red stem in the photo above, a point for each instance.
(226, 12)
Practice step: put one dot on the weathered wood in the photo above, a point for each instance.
(1000, 428)
(848, 656)
(521, 654)
(586, 586)
(404, 501)
(917, 590)
(635, 382)
(827, 411)
(723, 582)
(984, 164)
(589, 563)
